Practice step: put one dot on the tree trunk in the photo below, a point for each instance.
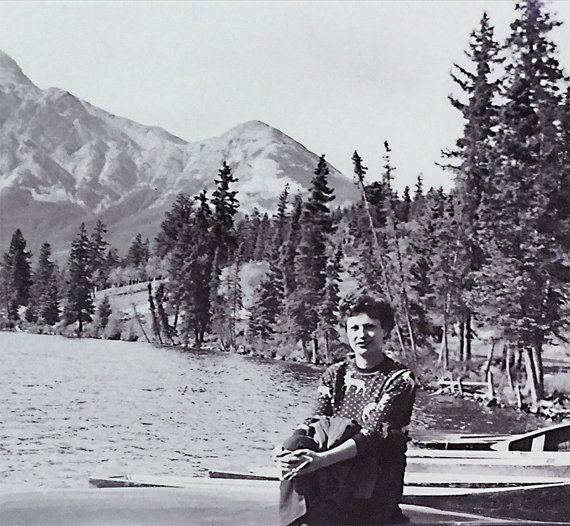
(443, 350)
(400, 337)
(519, 397)
(508, 360)
(378, 251)
(461, 341)
(411, 333)
(305, 350)
(468, 336)
(531, 374)
(519, 360)
(405, 300)
(537, 360)
(176, 316)
(489, 359)
(140, 321)
(315, 350)
(445, 347)
(444, 341)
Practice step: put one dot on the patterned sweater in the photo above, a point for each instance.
(379, 399)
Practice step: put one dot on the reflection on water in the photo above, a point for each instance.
(73, 408)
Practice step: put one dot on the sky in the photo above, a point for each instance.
(335, 76)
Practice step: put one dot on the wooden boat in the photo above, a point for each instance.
(552, 438)
(514, 498)
(541, 453)
(458, 441)
(491, 463)
(511, 479)
(200, 502)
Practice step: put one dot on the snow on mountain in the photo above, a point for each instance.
(64, 161)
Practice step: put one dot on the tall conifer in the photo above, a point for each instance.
(280, 224)
(328, 315)
(191, 267)
(520, 233)
(175, 219)
(225, 206)
(79, 306)
(472, 158)
(45, 289)
(99, 262)
(16, 270)
(311, 261)
(289, 251)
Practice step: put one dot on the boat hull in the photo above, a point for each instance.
(555, 438)
(201, 502)
(492, 463)
(506, 499)
(542, 502)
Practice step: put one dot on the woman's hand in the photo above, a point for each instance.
(286, 459)
(305, 461)
(299, 462)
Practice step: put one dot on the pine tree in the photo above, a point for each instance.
(138, 253)
(446, 269)
(421, 246)
(520, 229)
(16, 275)
(225, 205)
(176, 218)
(247, 233)
(167, 329)
(79, 306)
(261, 248)
(154, 315)
(98, 263)
(289, 251)
(190, 271)
(45, 288)
(243, 229)
(104, 312)
(186, 240)
(328, 316)
(311, 260)
(419, 188)
(397, 266)
(218, 310)
(235, 296)
(280, 224)
(472, 157)
(267, 306)
(112, 259)
(403, 211)
(376, 260)
(226, 301)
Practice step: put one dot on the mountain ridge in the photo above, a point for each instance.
(64, 161)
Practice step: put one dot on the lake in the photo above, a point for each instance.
(73, 408)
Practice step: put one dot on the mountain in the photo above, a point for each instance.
(64, 161)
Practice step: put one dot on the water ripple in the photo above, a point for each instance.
(73, 408)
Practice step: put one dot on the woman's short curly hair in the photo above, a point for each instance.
(375, 308)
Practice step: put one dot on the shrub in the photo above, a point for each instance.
(557, 382)
(131, 331)
(114, 327)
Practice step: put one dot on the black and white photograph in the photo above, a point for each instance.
(284, 262)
